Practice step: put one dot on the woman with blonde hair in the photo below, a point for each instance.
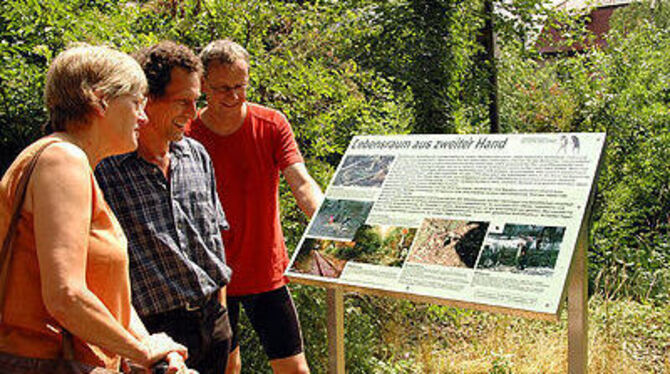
(64, 285)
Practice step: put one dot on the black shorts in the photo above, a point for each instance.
(275, 319)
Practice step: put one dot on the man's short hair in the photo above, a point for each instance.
(158, 60)
(223, 51)
(78, 72)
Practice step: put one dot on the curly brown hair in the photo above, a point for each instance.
(158, 60)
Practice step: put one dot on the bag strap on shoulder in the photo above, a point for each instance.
(17, 204)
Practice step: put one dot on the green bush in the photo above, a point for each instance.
(343, 68)
(298, 66)
(624, 90)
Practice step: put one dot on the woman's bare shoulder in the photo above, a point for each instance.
(62, 174)
(62, 155)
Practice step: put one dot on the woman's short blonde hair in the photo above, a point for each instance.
(80, 71)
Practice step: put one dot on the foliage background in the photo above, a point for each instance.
(339, 68)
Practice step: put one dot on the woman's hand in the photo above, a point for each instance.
(161, 346)
(176, 364)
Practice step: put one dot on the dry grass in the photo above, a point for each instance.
(624, 337)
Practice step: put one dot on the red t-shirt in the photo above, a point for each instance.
(247, 164)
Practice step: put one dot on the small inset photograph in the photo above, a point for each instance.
(445, 242)
(314, 258)
(522, 249)
(340, 219)
(380, 245)
(363, 171)
(375, 245)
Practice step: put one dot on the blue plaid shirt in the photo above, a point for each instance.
(173, 225)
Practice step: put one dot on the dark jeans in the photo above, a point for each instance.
(205, 332)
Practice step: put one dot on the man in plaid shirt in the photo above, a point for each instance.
(164, 195)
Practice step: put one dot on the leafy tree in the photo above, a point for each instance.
(296, 67)
(348, 67)
(427, 49)
(621, 89)
(31, 34)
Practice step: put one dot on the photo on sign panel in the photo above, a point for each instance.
(381, 245)
(445, 242)
(376, 245)
(316, 257)
(339, 219)
(363, 171)
(522, 249)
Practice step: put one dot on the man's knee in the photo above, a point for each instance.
(291, 365)
(302, 369)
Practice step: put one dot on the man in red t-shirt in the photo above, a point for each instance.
(249, 145)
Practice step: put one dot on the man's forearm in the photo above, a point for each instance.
(306, 191)
(308, 197)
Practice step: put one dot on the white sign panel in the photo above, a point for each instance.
(484, 219)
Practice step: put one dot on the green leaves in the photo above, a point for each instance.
(348, 67)
(427, 49)
(621, 89)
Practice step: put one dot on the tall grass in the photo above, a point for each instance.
(624, 337)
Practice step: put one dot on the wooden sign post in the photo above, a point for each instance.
(578, 305)
(335, 304)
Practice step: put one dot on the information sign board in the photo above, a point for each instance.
(489, 221)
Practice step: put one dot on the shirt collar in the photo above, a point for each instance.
(177, 150)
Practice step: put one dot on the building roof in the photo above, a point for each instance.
(584, 4)
(551, 40)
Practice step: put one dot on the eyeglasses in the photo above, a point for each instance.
(222, 90)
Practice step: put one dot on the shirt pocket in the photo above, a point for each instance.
(203, 213)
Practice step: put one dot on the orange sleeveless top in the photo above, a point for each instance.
(27, 329)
